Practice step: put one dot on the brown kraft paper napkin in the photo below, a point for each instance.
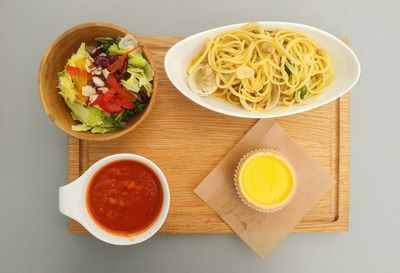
(264, 231)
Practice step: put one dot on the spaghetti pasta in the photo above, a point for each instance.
(260, 69)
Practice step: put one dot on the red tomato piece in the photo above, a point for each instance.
(98, 101)
(107, 96)
(112, 82)
(111, 108)
(122, 102)
(118, 63)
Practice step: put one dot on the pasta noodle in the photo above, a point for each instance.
(260, 69)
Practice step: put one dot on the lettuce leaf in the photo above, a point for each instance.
(67, 87)
(101, 130)
(131, 84)
(138, 78)
(136, 60)
(90, 116)
(81, 128)
(93, 119)
(78, 59)
(149, 72)
(115, 50)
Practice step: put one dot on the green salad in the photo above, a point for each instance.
(106, 85)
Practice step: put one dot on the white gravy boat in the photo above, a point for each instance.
(72, 202)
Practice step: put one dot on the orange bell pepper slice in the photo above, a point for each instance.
(80, 78)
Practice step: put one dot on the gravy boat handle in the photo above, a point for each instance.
(69, 196)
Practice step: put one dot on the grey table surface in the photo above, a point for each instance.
(33, 152)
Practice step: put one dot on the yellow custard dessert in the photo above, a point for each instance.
(265, 180)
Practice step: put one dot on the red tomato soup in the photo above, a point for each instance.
(124, 197)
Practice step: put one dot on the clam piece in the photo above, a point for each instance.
(244, 72)
(275, 94)
(202, 80)
(267, 48)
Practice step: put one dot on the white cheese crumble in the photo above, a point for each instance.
(88, 91)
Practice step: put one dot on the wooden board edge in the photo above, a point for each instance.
(73, 158)
(160, 41)
(341, 223)
(73, 169)
(344, 163)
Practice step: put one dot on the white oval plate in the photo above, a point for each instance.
(346, 68)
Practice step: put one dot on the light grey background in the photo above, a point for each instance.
(33, 152)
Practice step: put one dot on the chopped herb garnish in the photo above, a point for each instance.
(288, 70)
(127, 113)
(105, 42)
(303, 91)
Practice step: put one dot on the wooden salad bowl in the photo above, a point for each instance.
(54, 61)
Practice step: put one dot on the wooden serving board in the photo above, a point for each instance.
(187, 141)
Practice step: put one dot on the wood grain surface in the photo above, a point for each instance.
(187, 141)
